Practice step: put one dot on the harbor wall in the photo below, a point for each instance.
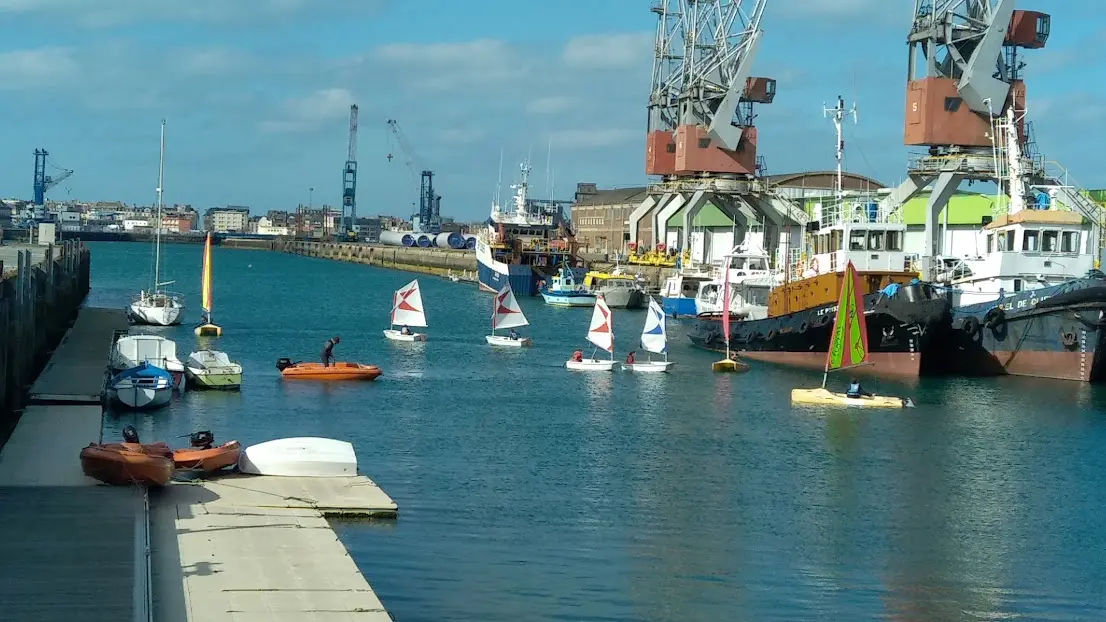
(437, 261)
(41, 290)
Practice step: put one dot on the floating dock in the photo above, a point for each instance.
(76, 372)
(246, 547)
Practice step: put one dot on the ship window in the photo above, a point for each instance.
(875, 241)
(1017, 285)
(952, 104)
(670, 148)
(1031, 241)
(894, 241)
(990, 242)
(1048, 241)
(856, 241)
(1009, 240)
(836, 241)
(1069, 243)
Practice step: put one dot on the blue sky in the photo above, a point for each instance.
(256, 94)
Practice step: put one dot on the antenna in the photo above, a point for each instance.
(839, 113)
(499, 182)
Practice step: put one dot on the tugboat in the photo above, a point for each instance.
(524, 245)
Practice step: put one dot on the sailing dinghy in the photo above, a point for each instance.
(848, 349)
(653, 340)
(207, 328)
(601, 334)
(727, 364)
(506, 314)
(407, 311)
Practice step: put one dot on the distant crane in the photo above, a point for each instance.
(44, 182)
(349, 179)
(428, 219)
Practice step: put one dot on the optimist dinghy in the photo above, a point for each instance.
(407, 310)
(601, 334)
(653, 340)
(507, 314)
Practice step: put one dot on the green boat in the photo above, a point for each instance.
(212, 369)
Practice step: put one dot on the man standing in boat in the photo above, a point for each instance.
(328, 350)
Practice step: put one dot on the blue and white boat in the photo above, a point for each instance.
(566, 291)
(678, 296)
(143, 386)
(524, 244)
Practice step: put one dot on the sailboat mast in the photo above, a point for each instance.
(160, 189)
(499, 182)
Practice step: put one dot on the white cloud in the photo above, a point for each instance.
(461, 136)
(554, 104)
(608, 51)
(107, 13)
(42, 67)
(453, 66)
(596, 138)
(305, 113)
(212, 61)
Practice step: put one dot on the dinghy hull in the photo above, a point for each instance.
(825, 397)
(590, 365)
(507, 342)
(300, 457)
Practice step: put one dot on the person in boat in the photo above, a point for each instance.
(856, 391)
(630, 358)
(406, 330)
(513, 334)
(578, 356)
(328, 351)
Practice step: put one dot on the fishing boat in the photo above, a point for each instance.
(653, 340)
(123, 464)
(680, 291)
(621, 291)
(207, 328)
(525, 242)
(143, 386)
(158, 351)
(212, 369)
(601, 335)
(300, 457)
(204, 456)
(727, 364)
(156, 306)
(507, 314)
(848, 350)
(407, 311)
(564, 291)
(334, 371)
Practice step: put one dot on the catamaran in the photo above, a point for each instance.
(207, 328)
(506, 314)
(157, 307)
(407, 311)
(653, 340)
(848, 349)
(601, 334)
(727, 364)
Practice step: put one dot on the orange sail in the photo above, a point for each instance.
(849, 344)
(206, 304)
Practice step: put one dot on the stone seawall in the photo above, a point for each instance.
(437, 261)
(41, 289)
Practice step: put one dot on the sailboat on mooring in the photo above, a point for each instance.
(207, 328)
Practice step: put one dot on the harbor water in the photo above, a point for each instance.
(527, 492)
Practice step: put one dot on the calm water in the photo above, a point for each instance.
(530, 493)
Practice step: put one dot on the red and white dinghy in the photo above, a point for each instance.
(507, 314)
(407, 311)
(601, 334)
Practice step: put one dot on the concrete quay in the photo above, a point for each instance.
(435, 261)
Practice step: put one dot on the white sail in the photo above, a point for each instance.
(506, 313)
(653, 337)
(407, 306)
(601, 331)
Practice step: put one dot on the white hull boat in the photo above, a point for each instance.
(157, 309)
(591, 365)
(507, 314)
(654, 339)
(648, 367)
(396, 335)
(212, 369)
(300, 457)
(407, 310)
(141, 387)
(132, 350)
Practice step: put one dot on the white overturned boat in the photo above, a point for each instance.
(407, 311)
(600, 333)
(653, 340)
(158, 351)
(306, 456)
(506, 314)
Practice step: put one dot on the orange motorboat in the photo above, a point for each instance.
(334, 371)
(202, 456)
(121, 464)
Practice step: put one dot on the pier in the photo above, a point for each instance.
(436, 261)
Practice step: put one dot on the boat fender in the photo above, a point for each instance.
(994, 317)
(803, 327)
(771, 334)
(970, 326)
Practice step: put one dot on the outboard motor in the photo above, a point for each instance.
(283, 363)
(130, 435)
(203, 439)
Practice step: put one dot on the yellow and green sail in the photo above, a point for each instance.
(849, 344)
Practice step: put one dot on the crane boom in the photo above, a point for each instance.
(349, 179)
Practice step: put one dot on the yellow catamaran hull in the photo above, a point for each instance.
(825, 397)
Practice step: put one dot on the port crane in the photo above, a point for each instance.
(44, 182)
(348, 227)
(428, 219)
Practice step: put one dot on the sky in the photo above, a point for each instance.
(256, 95)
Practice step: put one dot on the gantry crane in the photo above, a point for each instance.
(44, 182)
(428, 219)
(349, 181)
